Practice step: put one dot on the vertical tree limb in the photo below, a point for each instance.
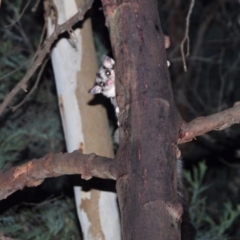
(149, 121)
(186, 36)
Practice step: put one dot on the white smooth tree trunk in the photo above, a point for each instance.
(85, 127)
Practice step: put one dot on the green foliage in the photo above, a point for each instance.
(11, 144)
(207, 227)
(47, 221)
(34, 129)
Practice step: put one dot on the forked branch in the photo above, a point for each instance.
(43, 52)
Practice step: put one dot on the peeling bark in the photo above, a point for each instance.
(85, 126)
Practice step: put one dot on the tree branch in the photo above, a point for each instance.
(41, 54)
(202, 125)
(34, 172)
(186, 36)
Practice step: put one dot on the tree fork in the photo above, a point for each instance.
(149, 122)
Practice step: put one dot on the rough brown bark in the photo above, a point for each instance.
(34, 172)
(146, 182)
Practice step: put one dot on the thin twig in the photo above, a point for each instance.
(44, 52)
(54, 7)
(186, 36)
(210, 60)
(222, 82)
(35, 6)
(33, 88)
(19, 28)
(15, 70)
(40, 42)
(21, 14)
(31, 60)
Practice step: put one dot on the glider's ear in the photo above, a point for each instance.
(107, 61)
(95, 89)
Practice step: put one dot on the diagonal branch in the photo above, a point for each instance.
(217, 122)
(14, 108)
(42, 53)
(34, 172)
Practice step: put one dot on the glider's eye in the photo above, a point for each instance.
(108, 73)
(102, 84)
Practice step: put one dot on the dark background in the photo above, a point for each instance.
(211, 84)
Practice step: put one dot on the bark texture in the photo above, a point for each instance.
(34, 172)
(149, 122)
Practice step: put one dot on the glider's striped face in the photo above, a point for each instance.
(105, 77)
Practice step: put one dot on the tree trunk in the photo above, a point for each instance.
(149, 123)
(85, 127)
